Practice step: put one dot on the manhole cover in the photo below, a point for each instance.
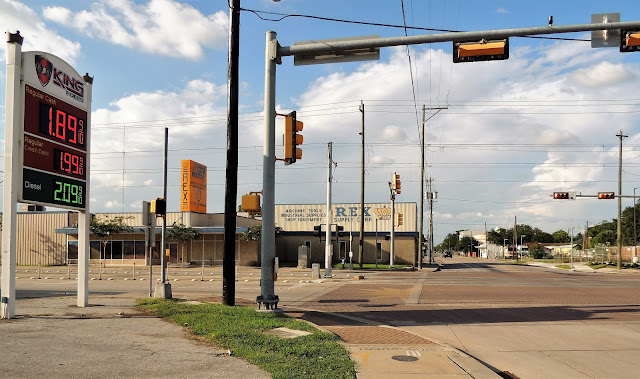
(404, 358)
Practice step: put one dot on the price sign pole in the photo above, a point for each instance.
(47, 139)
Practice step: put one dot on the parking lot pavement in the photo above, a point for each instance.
(53, 338)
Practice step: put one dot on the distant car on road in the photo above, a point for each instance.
(447, 254)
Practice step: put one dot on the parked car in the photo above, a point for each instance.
(447, 254)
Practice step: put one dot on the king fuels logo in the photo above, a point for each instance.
(45, 71)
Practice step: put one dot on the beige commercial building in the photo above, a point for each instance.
(50, 238)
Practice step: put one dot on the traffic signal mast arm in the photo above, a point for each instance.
(600, 195)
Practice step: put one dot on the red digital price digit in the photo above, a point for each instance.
(61, 125)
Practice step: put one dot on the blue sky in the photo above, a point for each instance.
(515, 131)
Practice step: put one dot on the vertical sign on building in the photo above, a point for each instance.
(193, 187)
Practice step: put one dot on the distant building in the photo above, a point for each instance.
(51, 238)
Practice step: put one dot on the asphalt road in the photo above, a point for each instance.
(532, 322)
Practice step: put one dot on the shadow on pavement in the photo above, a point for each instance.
(499, 315)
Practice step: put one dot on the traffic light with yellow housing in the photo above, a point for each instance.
(480, 50)
(159, 207)
(396, 185)
(292, 138)
(399, 219)
(629, 41)
(606, 195)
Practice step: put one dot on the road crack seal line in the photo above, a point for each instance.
(565, 363)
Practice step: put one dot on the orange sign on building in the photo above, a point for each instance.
(194, 187)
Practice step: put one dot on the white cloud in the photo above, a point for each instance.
(165, 27)
(503, 133)
(602, 74)
(502, 10)
(15, 16)
(129, 136)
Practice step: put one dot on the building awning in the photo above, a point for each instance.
(140, 230)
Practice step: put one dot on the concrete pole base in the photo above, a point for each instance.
(162, 291)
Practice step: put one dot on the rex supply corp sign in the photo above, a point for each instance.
(194, 187)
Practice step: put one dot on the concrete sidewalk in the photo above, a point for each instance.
(111, 338)
(53, 338)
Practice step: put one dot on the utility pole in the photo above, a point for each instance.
(430, 221)
(361, 241)
(486, 239)
(515, 235)
(422, 153)
(231, 187)
(418, 257)
(329, 214)
(621, 136)
(635, 236)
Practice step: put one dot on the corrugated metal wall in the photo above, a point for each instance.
(37, 240)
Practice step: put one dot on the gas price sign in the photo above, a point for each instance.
(54, 119)
(54, 151)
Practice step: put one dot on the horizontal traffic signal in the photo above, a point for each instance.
(561, 195)
(480, 51)
(606, 195)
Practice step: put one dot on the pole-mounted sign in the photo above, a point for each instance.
(47, 138)
(54, 165)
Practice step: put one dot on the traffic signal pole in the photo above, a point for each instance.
(273, 56)
(268, 246)
(329, 219)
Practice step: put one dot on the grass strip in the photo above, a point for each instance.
(242, 330)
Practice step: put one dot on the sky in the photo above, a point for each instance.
(513, 132)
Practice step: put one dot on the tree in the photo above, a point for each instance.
(537, 252)
(448, 243)
(107, 227)
(255, 233)
(560, 236)
(183, 234)
(463, 244)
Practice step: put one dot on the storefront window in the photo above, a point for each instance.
(72, 251)
(129, 249)
(95, 247)
(139, 249)
(116, 249)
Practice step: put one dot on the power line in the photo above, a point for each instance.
(282, 16)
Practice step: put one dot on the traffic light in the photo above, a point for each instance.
(340, 230)
(629, 41)
(250, 203)
(399, 216)
(561, 195)
(317, 230)
(292, 138)
(606, 195)
(395, 183)
(159, 207)
(480, 50)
